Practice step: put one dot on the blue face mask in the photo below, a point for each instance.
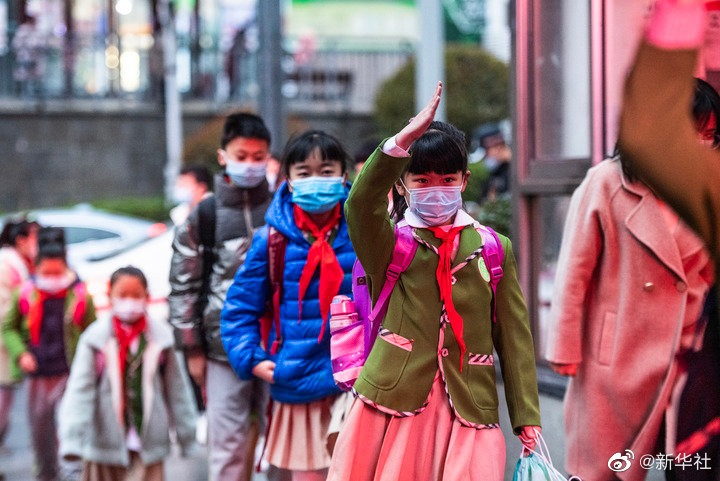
(317, 194)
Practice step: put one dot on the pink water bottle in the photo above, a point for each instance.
(342, 312)
(347, 342)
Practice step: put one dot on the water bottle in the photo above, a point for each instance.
(347, 342)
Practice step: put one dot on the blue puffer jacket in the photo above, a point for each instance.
(303, 372)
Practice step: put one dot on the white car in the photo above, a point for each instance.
(152, 256)
(93, 234)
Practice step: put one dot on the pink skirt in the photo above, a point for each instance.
(432, 445)
(298, 435)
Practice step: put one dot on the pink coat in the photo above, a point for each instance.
(625, 287)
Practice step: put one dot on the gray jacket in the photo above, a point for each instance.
(91, 422)
(239, 212)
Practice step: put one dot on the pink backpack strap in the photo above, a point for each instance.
(80, 292)
(493, 254)
(26, 292)
(403, 253)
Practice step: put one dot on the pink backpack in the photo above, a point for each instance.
(354, 325)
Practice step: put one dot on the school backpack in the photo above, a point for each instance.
(354, 325)
(277, 243)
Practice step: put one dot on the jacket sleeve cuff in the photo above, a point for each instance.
(188, 338)
(673, 26)
(391, 148)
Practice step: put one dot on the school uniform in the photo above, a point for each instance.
(424, 410)
(120, 425)
(303, 389)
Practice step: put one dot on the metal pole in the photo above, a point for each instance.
(430, 58)
(173, 103)
(270, 75)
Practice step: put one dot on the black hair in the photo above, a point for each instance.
(14, 228)
(365, 150)
(245, 125)
(51, 244)
(301, 146)
(441, 149)
(131, 271)
(199, 172)
(706, 104)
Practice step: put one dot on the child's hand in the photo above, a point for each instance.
(27, 362)
(265, 371)
(197, 367)
(419, 124)
(565, 369)
(528, 437)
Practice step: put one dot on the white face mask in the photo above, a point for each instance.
(128, 309)
(245, 174)
(53, 284)
(435, 205)
(181, 195)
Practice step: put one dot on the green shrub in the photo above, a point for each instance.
(497, 213)
(153, 208)
(476, 91)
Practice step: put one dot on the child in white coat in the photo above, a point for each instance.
(127, 390)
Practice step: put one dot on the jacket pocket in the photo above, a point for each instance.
(395, 339)
(607, 339)
(388, 358)
(481, 384)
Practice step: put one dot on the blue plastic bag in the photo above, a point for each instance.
(531, 468)
(537, 466)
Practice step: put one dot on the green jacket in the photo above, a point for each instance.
(400, 380)
(16, 334)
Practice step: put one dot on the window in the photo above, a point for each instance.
(562, 79)
(74, 235)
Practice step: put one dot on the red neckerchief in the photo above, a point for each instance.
(444, 280)
(321, 252)
(124, 338)
(35, 315)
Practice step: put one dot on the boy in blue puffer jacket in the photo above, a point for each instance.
(318, 258)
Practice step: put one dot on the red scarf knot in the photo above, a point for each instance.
(320, 253)
(444, 280)
(125, 335)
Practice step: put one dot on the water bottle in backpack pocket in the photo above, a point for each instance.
(354, 324)
(347, 346)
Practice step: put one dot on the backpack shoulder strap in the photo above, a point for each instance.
(403, 254)
(277, 244)
(80, 292)
(26, 296)
(207, 219)
(494, 255)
